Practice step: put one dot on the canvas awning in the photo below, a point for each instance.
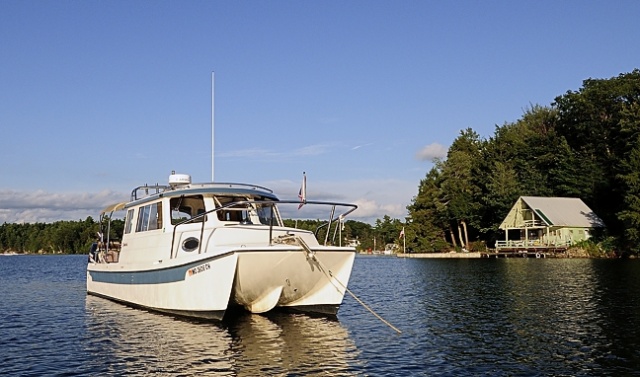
(114, 207)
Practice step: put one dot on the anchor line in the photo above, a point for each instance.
(331, 277)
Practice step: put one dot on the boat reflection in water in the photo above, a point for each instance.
(292, 344)
(124, 340)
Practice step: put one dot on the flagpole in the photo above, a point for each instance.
(212, 124)
(302, 194)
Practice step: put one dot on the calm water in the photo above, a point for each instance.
(509, 317)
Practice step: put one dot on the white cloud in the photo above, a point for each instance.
(374, 198)
(431, 152)
(370, 209)
(361, 146)
(313, 150)
(46, 207)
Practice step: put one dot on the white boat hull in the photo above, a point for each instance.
(258, 280)
(199, 288)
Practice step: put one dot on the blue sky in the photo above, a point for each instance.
(97, 97)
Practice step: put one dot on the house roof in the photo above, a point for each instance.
(571, 212)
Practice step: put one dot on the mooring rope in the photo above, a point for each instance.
(331, 277)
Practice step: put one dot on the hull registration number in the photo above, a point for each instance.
(198, 269)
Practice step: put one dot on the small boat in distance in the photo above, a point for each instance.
(198, 249)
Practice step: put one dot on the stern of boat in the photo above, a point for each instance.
(293, 278)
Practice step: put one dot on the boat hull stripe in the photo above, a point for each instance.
(159, 276)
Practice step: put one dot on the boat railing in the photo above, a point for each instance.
(200, 218)
(332, 217)
(147, 191)
(230, 185)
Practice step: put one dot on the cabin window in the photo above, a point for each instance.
(235, 209)
(129, 222)
(245, 210)
(149, 217)
(186, 207)
(143, 219)
(155, 216)
(265, 213)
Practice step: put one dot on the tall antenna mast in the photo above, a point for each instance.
(212, 124)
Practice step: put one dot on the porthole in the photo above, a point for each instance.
(190, 244)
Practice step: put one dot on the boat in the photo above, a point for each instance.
(201, 249)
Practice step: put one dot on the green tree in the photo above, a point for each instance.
(360, 231)
(425, 221)
(502, 190)
(458, 188)
(629, 175)
(387, 230)
(591, 120)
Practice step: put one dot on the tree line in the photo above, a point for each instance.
(68, 237)
(76, 237)
(60, 237)
(585, 144)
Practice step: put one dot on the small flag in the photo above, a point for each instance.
(401, 233)
(302, 194)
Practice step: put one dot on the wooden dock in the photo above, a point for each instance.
(525, 254)
(441, 255)
(516, 253)
(528, 252)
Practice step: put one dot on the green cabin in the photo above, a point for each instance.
(541, 222)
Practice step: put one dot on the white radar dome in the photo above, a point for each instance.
(179, 180)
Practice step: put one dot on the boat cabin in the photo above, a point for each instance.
(163, 215)
(182, 219)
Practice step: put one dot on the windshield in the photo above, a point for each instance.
(265, 213)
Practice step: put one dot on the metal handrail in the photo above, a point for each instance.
(230, 185)
(271, 204)
(162, 188)
(158, 188)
